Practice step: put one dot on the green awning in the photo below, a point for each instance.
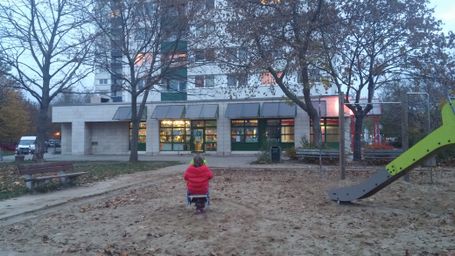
(202, 111)
(278, 110)
(242, 110)
(168, 112)
(124, 114)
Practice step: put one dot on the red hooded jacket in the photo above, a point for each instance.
(197, 179)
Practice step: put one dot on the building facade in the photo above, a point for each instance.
(199, 106)
(220, 127)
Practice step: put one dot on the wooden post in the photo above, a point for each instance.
(341, 134)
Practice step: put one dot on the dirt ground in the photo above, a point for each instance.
(252, 212)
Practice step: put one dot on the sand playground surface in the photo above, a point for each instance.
(253, 211)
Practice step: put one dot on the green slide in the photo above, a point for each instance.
(439, 138)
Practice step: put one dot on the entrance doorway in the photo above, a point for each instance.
(203, 136)
(198, 140)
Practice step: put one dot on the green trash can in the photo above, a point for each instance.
(275, 154)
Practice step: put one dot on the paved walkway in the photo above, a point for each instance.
(33, 202)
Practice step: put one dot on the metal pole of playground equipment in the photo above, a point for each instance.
(404, 128)
(342, 139)
(320, 143)
(430, 161)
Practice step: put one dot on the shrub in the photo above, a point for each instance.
(291, 153)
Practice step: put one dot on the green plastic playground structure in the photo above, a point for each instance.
(438, 139)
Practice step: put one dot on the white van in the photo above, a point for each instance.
(26, 145)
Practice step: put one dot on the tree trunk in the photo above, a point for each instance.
(135, 119)
(358, 137)
(41, 132)
(315, 119)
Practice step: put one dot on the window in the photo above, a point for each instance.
(329, 129)
(176, 85)
(244, 131)
(267, 2)
(314, 75)
(280, 130)
(175, 135)
(199, 55)
(231, 81)
(143, 58)
(236, 80)
(210, 81)
(103, 81)
(202, 29)
(141, 83)
(210, 4)
(210, 27)
(236, 54)
(204, 55)
(176, 57)
(208, 128)
(268, 79)
(199, 81)
(199, 29)
(242, 54)
(210, 54)
(142, 135)
(204, 81)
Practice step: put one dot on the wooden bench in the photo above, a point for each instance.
(61, 171)
(315, 153)
(381, 155)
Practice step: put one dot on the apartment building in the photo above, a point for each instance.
(198, 106)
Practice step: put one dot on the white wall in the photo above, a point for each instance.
(109, 138)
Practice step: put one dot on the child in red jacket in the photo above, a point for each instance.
(197, 177)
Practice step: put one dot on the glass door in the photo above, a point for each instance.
(198, 139)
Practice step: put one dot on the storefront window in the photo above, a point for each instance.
(142, 135)
(244, 131)
(280, 130)
(287, 130)
(329, 129)
(204, 136)
(175, 135)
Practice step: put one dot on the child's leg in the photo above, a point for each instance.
(188, 201)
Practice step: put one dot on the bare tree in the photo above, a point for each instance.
(142, 46)
(45, 42)
(370, 43)
(281, 38)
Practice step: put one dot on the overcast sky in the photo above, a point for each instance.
(445, 11)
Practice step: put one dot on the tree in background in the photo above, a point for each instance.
(369, 44)
(14, 117)
(433, 74)
(280, 38)
(45, 42)
(142, 44)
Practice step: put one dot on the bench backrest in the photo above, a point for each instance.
(383, 152)
(311, 151)
(37, 168)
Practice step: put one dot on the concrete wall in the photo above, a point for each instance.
(108, 138)
(223, 129)
(153, 133)
(66, 138)
(301, 127)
